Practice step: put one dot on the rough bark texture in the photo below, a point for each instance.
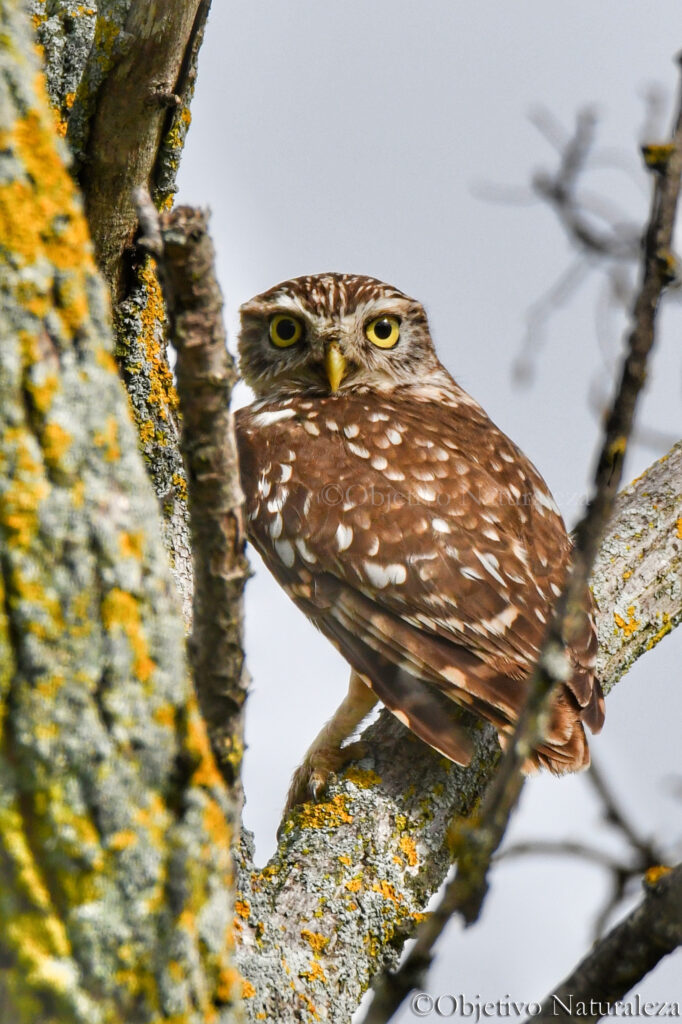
(353, 874)
(206, 376)
(114, 847)
(121, 76)
(637, 578)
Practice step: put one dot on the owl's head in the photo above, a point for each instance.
(333, 333)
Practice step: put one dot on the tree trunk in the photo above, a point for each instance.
(114, 853)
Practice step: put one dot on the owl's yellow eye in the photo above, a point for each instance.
(384, 331)
(285, 330)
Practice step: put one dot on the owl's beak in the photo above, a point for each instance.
(335, 365)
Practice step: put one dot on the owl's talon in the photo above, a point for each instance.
(311, 778)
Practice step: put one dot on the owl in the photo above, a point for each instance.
(403, 523)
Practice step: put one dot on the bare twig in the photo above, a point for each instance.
(206, 375)
(476, 841)
(625, 955)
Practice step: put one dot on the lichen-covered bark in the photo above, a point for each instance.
(121, 76)
(114, 848)
(637, 578)
(354, 873)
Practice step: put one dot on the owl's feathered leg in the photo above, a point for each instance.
(326, 755)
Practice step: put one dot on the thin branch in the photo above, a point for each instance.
(475, 842)
(565, 848)
(624, 956)
(206, 375)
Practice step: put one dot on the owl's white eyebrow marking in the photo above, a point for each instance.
(285, 550)
(352, 430)
(264, 419)
(344, 536)
(440, 525)
(379, 462)
(381, 575)
(311, 428)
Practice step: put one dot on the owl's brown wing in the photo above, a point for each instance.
(419, 539)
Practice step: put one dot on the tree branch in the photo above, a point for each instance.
(131, 114)
(206, 375)
(625, 955)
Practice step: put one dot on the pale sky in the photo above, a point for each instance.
(355, 136)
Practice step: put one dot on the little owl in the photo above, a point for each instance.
(407, 527)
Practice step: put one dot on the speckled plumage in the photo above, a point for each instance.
(402, 521)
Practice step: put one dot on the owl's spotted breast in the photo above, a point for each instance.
(400, 519)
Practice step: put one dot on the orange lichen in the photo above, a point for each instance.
(315, 972)
(679, 528)
(107, 438)
(121, 610)
(363, 778)
(329, 814)
(663, 631)
(355, 884)
(629, 625)
(162, 392)
(387, 891)
(317, 942)
(409, 849)
(123, 840)
(243, 908)
(56, 442)
(653, 875)
(132, 544)
(248, 991)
